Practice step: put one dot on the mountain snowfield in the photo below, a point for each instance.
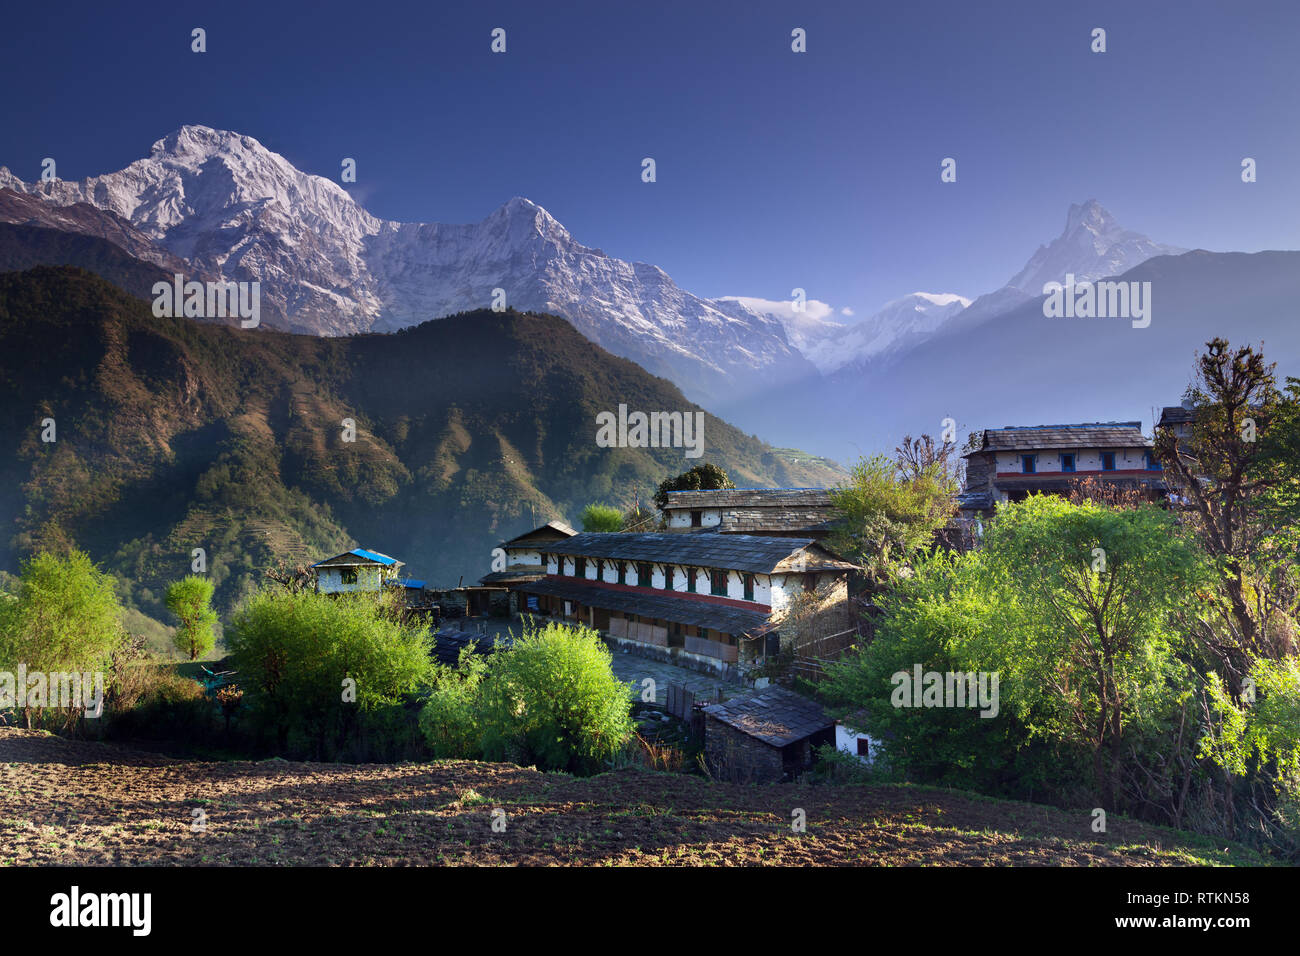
(235, 210)
(1092, 246)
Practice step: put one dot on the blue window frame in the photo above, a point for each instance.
(1152, 464)
(1027, 464)
(1067, 461)
(1107, 461)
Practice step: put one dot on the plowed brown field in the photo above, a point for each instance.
(71, 802)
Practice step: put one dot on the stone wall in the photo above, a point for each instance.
(738, 757)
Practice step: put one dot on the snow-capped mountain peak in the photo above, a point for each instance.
(1092, 246)
(237, 210)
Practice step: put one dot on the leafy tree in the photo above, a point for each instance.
(190, 599)
(703, 477)
(553, 699)
(1245, 737)
(1087, 597)
(597, 517)
(889, 512)
(311, 662)
(1073, 607)
(1221, 474)
(62, 616)
(940, 618)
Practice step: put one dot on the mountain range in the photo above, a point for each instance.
(224, 206)
(234, 209)
(173, 435)
(218, 204)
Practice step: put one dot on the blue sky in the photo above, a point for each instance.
(775, 169)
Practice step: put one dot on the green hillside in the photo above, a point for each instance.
(174, 435)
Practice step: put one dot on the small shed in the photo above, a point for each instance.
(765, 736)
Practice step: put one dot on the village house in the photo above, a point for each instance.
(795, 512)
(711, 602)
(765, 736)
(1012, 463)
(1179, 419)
(355, 570)
(523, 562)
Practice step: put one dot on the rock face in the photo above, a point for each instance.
(235, 210)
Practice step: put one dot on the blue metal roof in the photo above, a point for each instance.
(373, 556)
(363, 553)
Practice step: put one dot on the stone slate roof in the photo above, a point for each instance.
(750, 498)
(1175, 415)
(551, 531)
(1088, 435)
(975, 500)
(512, 577)
(773, 521)
(773, 715)
(738, 552)
(718, 617)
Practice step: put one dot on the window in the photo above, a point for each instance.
(644, 577)
(1152, 464)
(697, 519)
(748, 580)
(690, 579)
(718, 583)
(864, 747)
(1107, 461)
(622, 573)
(348, 575)
(1027, 464)
(580, 567)
(1067, 462)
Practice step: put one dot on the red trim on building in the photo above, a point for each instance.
(684, 595)
(1064, 474)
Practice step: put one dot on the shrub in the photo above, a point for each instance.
(552, 700)
(450, 720)
(311, 664)
(596, 517)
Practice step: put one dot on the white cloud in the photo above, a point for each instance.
(784, 308)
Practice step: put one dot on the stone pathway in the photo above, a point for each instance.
(628, 667)
(634, 669)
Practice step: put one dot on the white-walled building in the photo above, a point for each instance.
(355, 570)
(706, 599)
(1014, 462)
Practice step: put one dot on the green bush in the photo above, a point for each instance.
(311, 664)
(450, 720)
(596, 517)
(552, 700)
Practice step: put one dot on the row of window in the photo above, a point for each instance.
(644, 576)
(1029, 463)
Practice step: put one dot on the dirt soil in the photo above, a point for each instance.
(86, 803)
